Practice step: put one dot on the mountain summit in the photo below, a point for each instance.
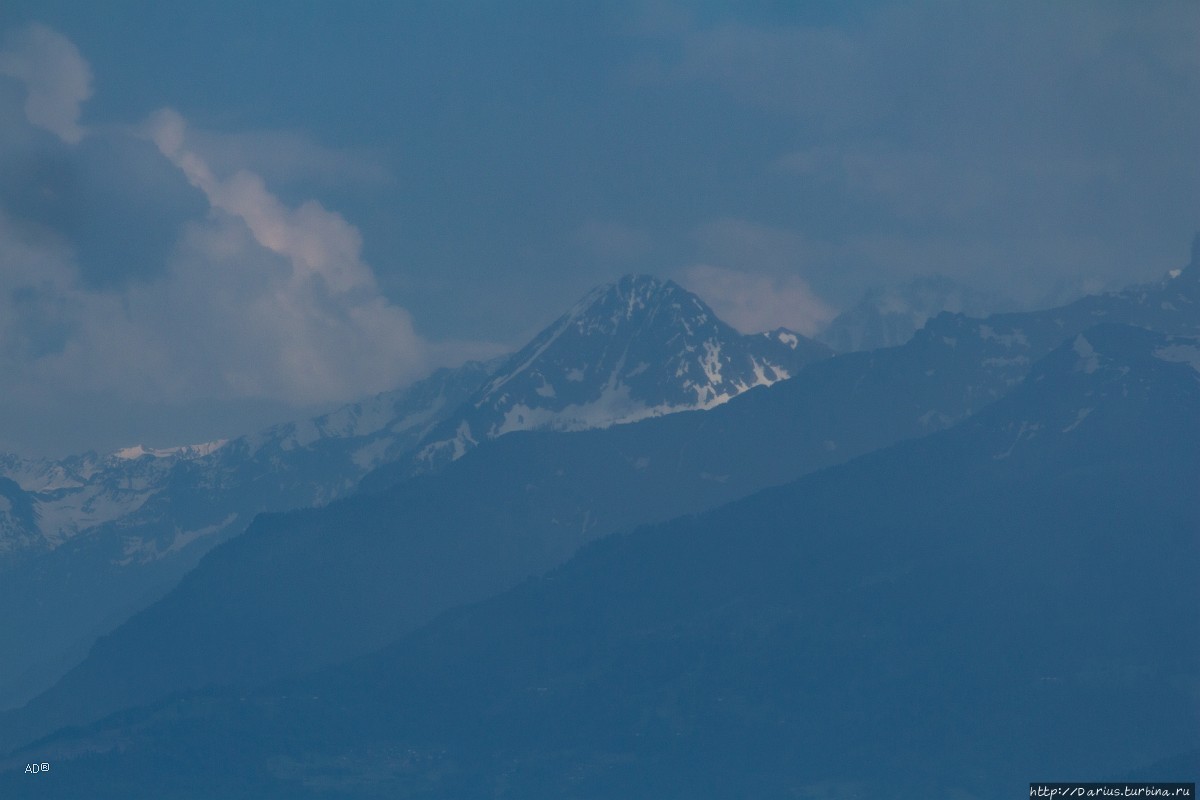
(701, 655)
(636, 348)
(889, 316)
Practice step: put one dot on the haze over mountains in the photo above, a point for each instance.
(838, 634)
(867, 616)
(889, 316)
(89, 539)
(96, 537)
(637, 348)
(645, 400)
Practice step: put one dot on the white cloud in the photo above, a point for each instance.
(260, 303)
(756, 302)
(260, 300)
(59, 334)
(283, 157)
(285, 287)
(318, 243)
(56, 77)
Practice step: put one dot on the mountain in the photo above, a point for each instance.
(18, 519)
(117, 530)
(953, 616)
(640, 347)
(88, 539)
(307, 462)
(392, 560)
(889, 316)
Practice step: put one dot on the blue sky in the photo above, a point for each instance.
(219, 215)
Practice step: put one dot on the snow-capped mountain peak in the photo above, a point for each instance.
(184, 451)
(607, 306)
(635, 348)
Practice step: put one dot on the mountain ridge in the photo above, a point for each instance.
(107, 534)
(769, 645)
(552, 492)
(635, 348)
(138, 519)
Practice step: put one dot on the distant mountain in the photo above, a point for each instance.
(86, 540)
(526, 501)
(889, 317)
(18, 519)
(640, 347)
(139, 518)
(950, 617)
(308, 462)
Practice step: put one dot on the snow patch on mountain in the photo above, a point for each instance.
(1080, 416)
(1182, 353)
(142, 551)
(784, 336)
(1089, 362)
(636, 348)
(184, 451)
(1025, 430)
(136, 490)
